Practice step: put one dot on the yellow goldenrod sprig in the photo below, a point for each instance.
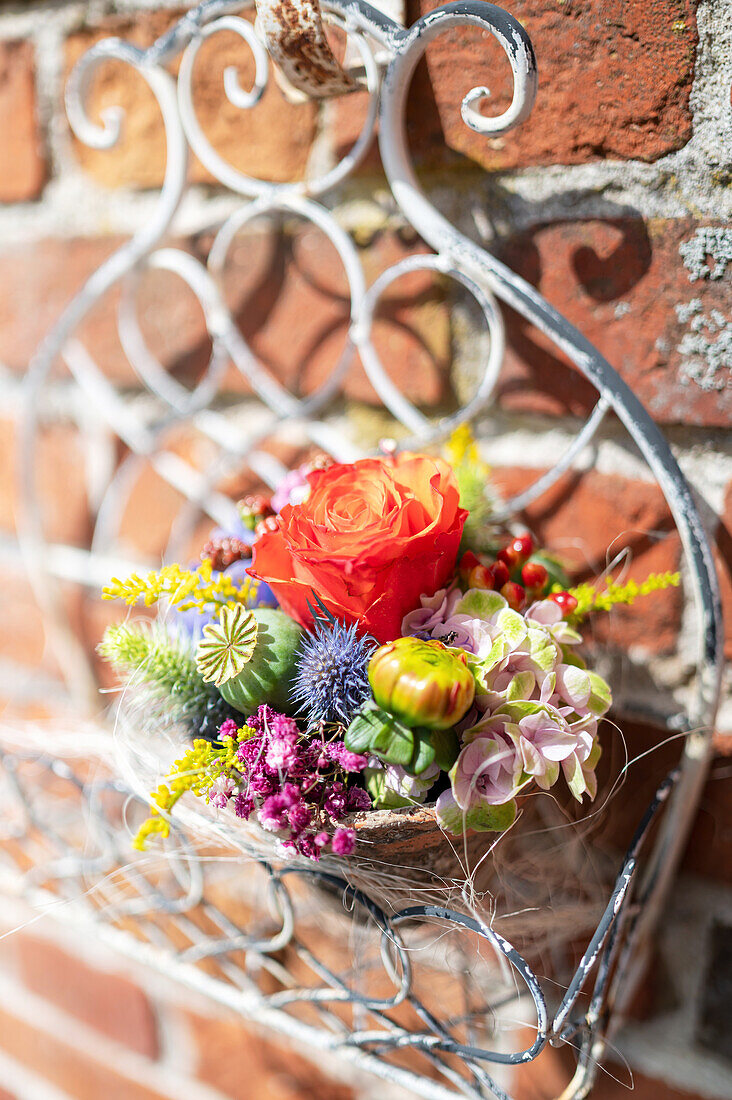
(590, 599)
(461, 448)
(185, 588)
(472, 474)
(196, 771)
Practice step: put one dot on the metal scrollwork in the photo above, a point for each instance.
(273, 941)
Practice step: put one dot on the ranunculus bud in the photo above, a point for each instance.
(423, 683)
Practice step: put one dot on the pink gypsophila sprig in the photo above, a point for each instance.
(295, 784)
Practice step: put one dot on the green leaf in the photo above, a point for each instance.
(382, 797)
(375, 731)
(511, 627)
(480, 604)
(363, 729)
(481, 818)
(424, 752)
(447, 748)
(521, 685)
(600, 695)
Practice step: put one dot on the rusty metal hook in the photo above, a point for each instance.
(296, 40)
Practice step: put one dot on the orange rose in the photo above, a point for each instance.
(369, 540)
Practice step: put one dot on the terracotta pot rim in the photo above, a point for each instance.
(406, 815)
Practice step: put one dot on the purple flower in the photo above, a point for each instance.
(487, 770)
(291, 795)
(262, 785)
(336, 800)
(220, 791)
(291, 779)
(228, 728)
(358, 799)
(243, 806)
(344, 841)
(349, 761)
(299, 817)
(310, 844)
(543, 739)
(262, 720)
(279, 725)
(282, 753)
(273, 813)
(249, 752)
(292, 489)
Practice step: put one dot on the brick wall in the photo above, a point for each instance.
(614, 200)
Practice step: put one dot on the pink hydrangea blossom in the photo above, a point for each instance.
(292, 489)
(543, 740)
(487, 770)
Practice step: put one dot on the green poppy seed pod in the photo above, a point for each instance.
(423, 683)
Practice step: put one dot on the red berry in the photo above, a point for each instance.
(480, 577)
(534, 575)
(523, 545)
(256, 505)
(468, 561)
(510, 556)
(268, 523)
(565, 601)
(500, 573)
(514, 595)
(223, 550)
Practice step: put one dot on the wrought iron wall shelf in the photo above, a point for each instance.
(63, 831)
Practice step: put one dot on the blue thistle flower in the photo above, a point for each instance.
(332, 683)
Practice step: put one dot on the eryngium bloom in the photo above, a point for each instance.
(332, 682)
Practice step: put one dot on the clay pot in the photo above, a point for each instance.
(410, 852)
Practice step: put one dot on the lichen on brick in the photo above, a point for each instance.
(709, 242)
(706, 347)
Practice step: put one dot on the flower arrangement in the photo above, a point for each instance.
(367, 640)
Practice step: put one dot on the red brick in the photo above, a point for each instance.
(25, 641)
(14, 710)
(288, 294)
(345, 120)
(37, 281)
(23, 637)
(614, 81)
(551, 1072)
(620, 281)
(292, 303)
(23, 170)
(230, 1053)
(80, 1075)
(61, 493)
(108, 1002)
(590, 517)
(709, 849)
(271, 141)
